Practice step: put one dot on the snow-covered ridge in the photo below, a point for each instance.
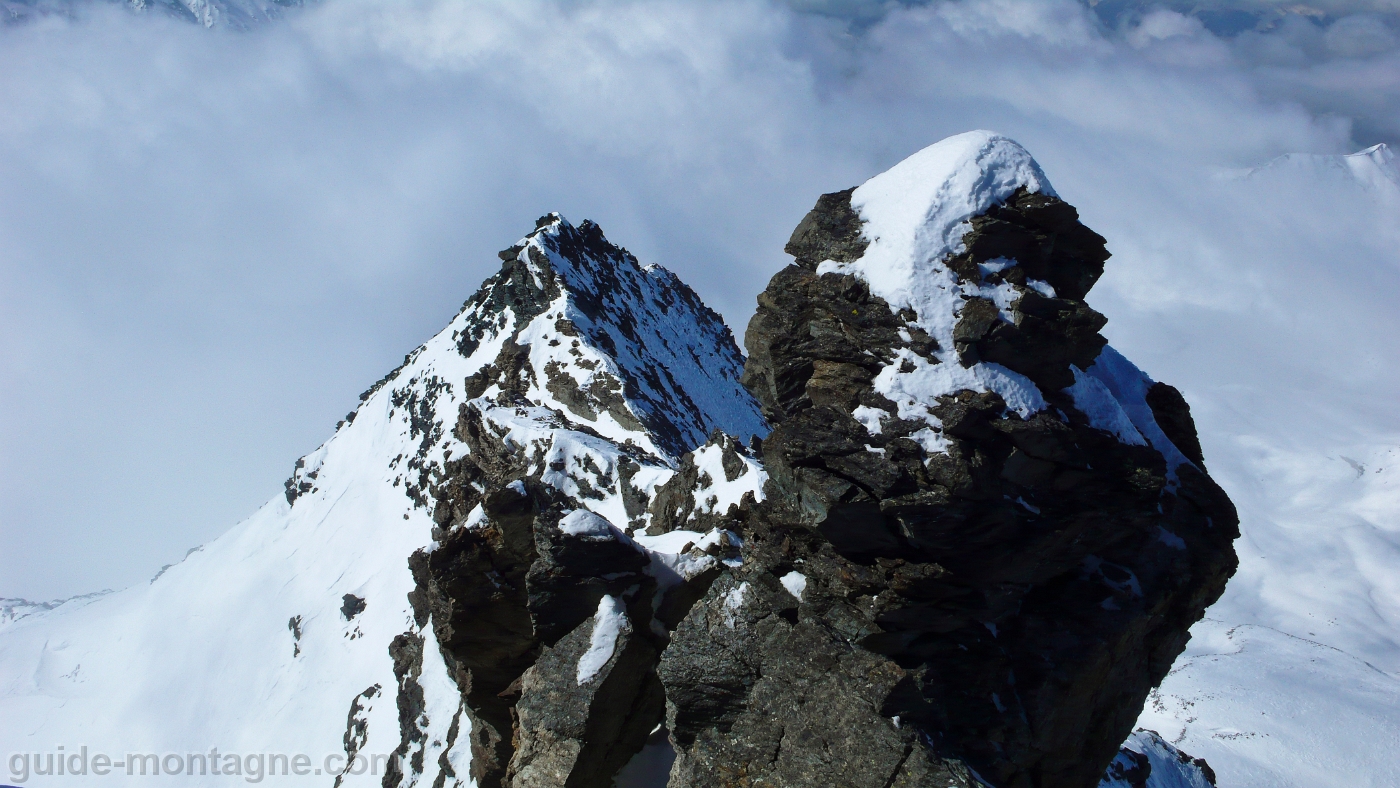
(12, 610)
(598, 374)
(628, 349)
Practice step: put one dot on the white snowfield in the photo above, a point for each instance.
(252, 645)
(1294, 680)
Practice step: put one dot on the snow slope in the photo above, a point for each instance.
(273, 639)
(1292, 680)
(1292, 382)
(1269, 709)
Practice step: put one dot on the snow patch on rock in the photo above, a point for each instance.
(914, 216)
(608, 624)
(795, 583)
(1095, 401)
(585, 524)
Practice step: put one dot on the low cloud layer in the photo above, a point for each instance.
(212, 241)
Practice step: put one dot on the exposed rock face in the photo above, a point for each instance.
(1018, 581)
(760, 694)
(974, 540)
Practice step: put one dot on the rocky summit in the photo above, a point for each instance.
(993, 531)
(973, 541)
(930, 531)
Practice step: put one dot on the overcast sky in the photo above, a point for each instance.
(212, 241)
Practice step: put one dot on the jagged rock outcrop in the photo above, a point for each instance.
(516, 603)
(1002, 529)
(590, 419)
(973, 541)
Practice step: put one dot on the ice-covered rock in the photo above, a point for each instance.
(1147, 760)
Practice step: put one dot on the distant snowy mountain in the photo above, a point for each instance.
(1374, 169)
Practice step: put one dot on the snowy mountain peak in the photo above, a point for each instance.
(1379, 152)
(548, 534)
(983, 271)
(573, 333)
(915, 213)
(627, 349)
(943, 406)
(1373, 163)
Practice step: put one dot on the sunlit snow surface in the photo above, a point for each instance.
(915, 215)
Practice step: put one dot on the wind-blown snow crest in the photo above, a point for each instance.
(914, 216)
(916, 213)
